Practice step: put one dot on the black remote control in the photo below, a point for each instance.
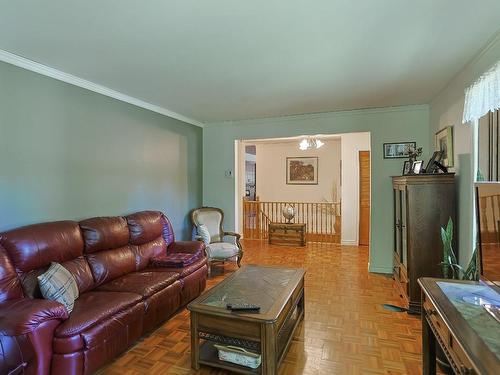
(242, 307)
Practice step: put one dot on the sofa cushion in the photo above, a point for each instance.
(80, 270)
(36, 246)
(10, 286)
(184, 271)
(94, 307)
(107, 265)
(58, 284)
(104, 233)
(147, 226)
(145, 283)
(222, 250)
(143, 253)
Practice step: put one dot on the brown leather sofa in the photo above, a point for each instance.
(122, 295)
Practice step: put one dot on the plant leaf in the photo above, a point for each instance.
(471, 271)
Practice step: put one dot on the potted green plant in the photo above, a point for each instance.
(453, 270)
(450, 265)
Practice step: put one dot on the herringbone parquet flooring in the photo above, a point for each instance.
(345, 331)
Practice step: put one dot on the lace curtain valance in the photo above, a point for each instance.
(483, 95)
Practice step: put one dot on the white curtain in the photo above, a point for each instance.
(483, 95)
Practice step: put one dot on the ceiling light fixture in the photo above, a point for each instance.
(310, 142)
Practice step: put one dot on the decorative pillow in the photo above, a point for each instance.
(58, 284)
(176, 260)
(204, 233)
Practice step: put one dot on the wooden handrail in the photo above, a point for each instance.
(322, 219)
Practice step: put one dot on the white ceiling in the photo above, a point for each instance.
(227, 59)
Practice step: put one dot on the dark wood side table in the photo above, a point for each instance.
(287, 234)
(466, 350)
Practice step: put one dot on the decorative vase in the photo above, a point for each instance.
(288, 213)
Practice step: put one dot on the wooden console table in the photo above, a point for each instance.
(466, 350)
(287, 234)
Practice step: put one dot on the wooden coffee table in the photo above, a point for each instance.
(280, 294)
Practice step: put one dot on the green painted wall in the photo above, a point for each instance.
(446, 110)
(69, 153)
(385, 125)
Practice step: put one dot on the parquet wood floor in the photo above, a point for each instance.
(345, 331)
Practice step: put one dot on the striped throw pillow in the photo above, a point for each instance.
(58, 284)
(204, 233)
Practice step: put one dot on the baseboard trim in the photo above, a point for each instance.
(45, 70)
(373, 269)
(349, 242)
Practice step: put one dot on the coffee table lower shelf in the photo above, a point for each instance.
(209, 356)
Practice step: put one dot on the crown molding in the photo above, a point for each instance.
(45, 70)
(474, 60)
(319, 115)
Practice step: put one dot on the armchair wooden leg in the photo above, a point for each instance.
(209, 269)
(238, 261)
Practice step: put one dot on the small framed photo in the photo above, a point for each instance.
(406, 167)
(444, 143)
(417, 166)
(398, 150)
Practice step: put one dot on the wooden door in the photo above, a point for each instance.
(364, 198)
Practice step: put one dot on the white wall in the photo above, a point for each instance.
(271, 172)
(352, 143)
(447, 110)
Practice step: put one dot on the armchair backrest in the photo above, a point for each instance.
(212, 217)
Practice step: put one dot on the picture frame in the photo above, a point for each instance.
(431, 166)
(444, 143)
(406, 167)
(417, 166)
(398, 150)
(302, 170)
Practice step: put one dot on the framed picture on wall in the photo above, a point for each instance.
(302, 170)
(398, 150)
(444, 143)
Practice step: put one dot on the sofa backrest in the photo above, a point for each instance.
(32, 248)
(10, 286)
(107, 247)
(150, 234)
(95, 250)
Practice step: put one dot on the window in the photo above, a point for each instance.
(488, 147)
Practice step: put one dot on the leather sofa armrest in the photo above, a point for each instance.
(190, 247)
(22, 316)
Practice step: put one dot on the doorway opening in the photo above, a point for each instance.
(325, 179)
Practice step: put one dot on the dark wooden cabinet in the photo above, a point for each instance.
(422, 205)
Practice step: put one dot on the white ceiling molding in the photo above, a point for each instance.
(36, 67)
